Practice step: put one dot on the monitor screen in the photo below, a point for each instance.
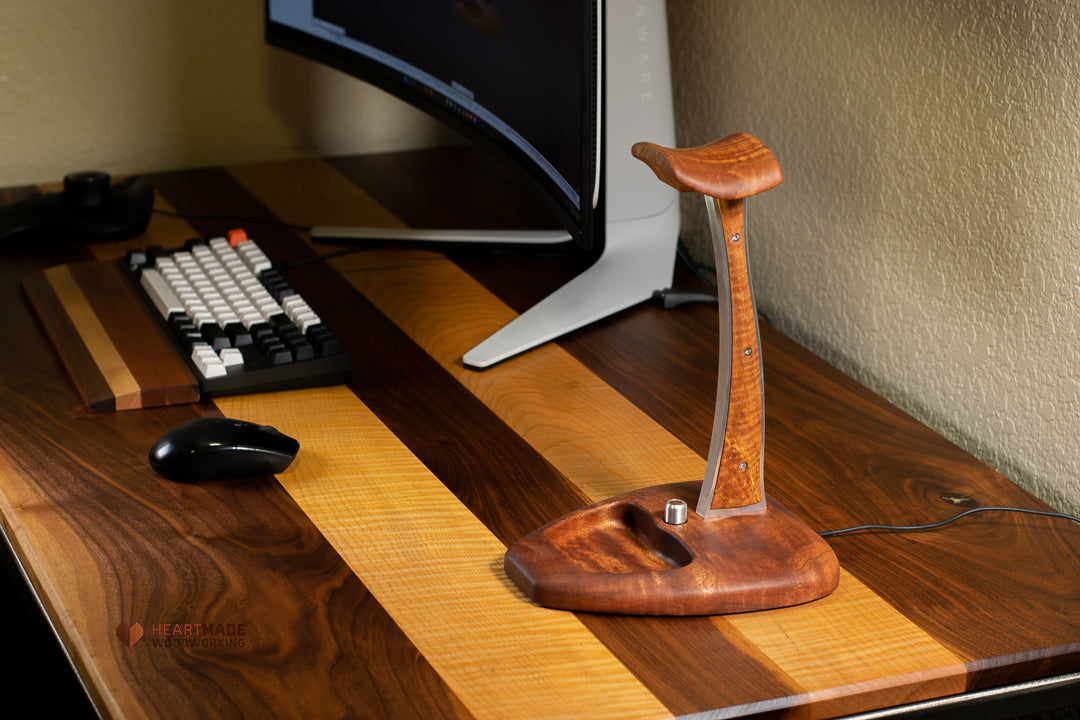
(519, 77)
(560, 91)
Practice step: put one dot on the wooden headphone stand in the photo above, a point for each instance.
(714, 547)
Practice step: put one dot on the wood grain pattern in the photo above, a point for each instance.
(735, 166)
(55, 320)
(115, 353)
(990, 602)
(107, 381)
(816, 645)
(145, 350)
(436, 568)
(735, 475)
(79, 485)
(626, 449)
(620, 556)
(726, 172)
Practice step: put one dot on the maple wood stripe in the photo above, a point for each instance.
(553, 402)
(437, 570)
(505, 484)
(415, 402)
(106, 357)
(853, 652)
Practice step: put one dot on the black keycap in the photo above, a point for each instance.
(215, 336)
(325, 342)
(238, 335)
(302, 350)
(278, 354)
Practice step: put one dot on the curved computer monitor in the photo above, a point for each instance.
(560, 92)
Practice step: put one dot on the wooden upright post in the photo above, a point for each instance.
(643, 552)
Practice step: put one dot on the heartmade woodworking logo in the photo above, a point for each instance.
(129, 634)
(185, 635)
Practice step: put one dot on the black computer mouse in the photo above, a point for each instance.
(212, 448)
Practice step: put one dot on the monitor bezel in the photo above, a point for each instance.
(584, 224)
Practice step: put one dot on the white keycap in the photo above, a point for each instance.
(231, 357)
(160, 293)
(207, 361)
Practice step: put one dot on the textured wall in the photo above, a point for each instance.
(135, 85)
(926, 237)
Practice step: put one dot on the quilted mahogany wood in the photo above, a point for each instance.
(726, 172)
(622, 548)
(734, 167)
(737, 552)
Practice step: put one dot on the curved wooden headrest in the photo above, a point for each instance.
(733, 167)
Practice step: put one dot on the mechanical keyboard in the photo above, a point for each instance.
(239, 325)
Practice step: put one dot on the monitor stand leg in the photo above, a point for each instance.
(638, 259)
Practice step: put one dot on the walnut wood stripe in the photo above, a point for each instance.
(319, 195)
(148, 353)
(506, 485)
(437, 570)
(117, 355)
(67, 343)
(625, 449)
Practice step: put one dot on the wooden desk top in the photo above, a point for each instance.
(367, 579)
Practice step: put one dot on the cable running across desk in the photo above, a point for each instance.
(947, 521)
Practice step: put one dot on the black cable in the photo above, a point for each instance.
(242, 220)
(683, 253)
(322, 258)
(932, 526)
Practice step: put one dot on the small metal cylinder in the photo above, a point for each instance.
(675, 512)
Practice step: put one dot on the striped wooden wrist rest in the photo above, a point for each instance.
(114, 350)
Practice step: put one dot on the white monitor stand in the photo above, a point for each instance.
(641, 226)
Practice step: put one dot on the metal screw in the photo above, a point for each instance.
(675, 512)
(743, 466)
(748, 352)
(735, 237)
